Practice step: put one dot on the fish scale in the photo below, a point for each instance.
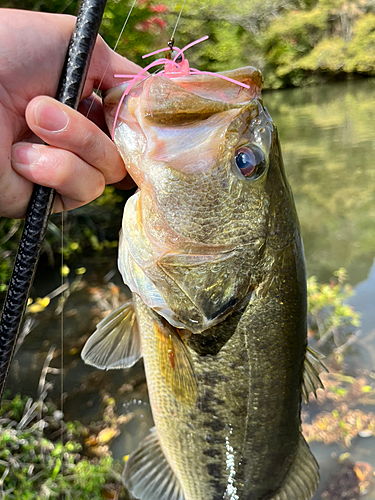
(246, 391)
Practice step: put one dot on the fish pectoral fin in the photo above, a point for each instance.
(312, 367)
(302, 479)
(116, 341)
(175, 363)
(148, 475)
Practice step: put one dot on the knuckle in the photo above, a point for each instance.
(93, 144)
(98, 188)
(64, 173)
(86, 141)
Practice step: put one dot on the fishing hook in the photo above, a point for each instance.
(69, 92)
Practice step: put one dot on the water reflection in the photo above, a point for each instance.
(363, 302)
(348, 411)
(328, 143)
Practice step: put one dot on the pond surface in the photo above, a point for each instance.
(328, 141)
(327, 137)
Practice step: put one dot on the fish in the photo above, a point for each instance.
(210, 248)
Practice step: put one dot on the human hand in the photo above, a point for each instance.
(80, 158)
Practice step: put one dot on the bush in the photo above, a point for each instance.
(42, 457)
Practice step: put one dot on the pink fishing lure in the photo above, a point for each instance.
(172, 69)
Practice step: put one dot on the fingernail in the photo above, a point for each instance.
(25, 154)
(50, 117)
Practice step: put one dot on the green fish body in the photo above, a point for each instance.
(211, 249)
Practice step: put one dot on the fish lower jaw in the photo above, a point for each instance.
(157, 303)
(190, 325)
(195, 314)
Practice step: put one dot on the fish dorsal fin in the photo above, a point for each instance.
(302, 478)
(312, 367)
(175, 363)
(148, 475)
(116, 341)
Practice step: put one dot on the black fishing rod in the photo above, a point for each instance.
(69, 92)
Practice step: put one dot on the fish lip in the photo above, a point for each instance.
(202, 94)
(123, 86)
(247, 74)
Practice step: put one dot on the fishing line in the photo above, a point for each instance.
(114, 48)
(62, 256)
(62, 346)
(62, 241)
(62, 264)
(118, 41)
(125, 23)
(178, 19)
(62, 235)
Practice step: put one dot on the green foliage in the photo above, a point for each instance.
(328, 54)
(145, 26)
(332, 320)
(335, 37)
(290, 37)
(94, 226)
(360, 53)
(36, 464)
(332, 295)
(145, 22)
(295, 42)
(355, 55)
(9, 232)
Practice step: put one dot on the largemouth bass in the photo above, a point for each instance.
(211, 249)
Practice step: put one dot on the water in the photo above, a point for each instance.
(328, 141)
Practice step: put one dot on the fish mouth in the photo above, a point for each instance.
(171, 103)
(193, 280)
(195, 95)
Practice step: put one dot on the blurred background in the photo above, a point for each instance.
(318, 62)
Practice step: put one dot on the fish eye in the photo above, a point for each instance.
(250, 161)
